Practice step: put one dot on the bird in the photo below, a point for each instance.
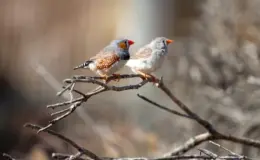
(110, 59)
(149, 58)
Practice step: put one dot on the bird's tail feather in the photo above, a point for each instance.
(83, 65)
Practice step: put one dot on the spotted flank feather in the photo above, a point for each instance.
(106, 60)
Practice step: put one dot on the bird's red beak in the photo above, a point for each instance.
(168, 41)
(130, 42)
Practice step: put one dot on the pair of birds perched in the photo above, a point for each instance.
(116, 55)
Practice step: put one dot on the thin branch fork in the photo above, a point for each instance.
(76, 102)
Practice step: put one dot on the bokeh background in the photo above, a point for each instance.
(213, 67)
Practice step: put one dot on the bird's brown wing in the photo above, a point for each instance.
(142, 53)
(105, 59)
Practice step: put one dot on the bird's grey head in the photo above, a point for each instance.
(123, 47)
(161, 43)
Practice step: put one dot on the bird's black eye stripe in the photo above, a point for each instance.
(164, 42)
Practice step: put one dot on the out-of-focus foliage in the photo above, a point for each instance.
(213, 66)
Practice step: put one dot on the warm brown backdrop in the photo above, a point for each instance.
(213, 66)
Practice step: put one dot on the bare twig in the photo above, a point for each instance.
(77, 102)
(65, 89)
(56, 85)
(191, 143)
(208, 153)
(195, 141)
(162, 107)
(214, 156)
(65, 103)
(59, 156)
(72, 143)
(186, 109)
(212, 134)
(66, 112)
(229, 151)
(64, 156)
(239, 140)
(76, 156)
(218, 145)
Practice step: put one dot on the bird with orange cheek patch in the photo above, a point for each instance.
(110, 59)
(150, 57)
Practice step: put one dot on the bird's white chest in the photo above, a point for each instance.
(147, 65)
(156, 61)
(117, 66)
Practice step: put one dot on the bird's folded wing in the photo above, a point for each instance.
(142, 53)
(105, 60)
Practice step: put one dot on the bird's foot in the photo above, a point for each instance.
(117, 79)
(105, 78)
(154, 79)
(149, 77)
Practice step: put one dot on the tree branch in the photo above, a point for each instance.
(180, 157)
(176, 153)
(163, 108)
(103, 87)
(186, 109)
(189, 144)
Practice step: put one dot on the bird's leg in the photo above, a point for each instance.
(154, 79)
(117, 77)
(146, 76)
(105, 77)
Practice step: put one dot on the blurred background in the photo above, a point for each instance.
(213, 67)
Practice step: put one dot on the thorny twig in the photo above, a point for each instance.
(211, 134)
